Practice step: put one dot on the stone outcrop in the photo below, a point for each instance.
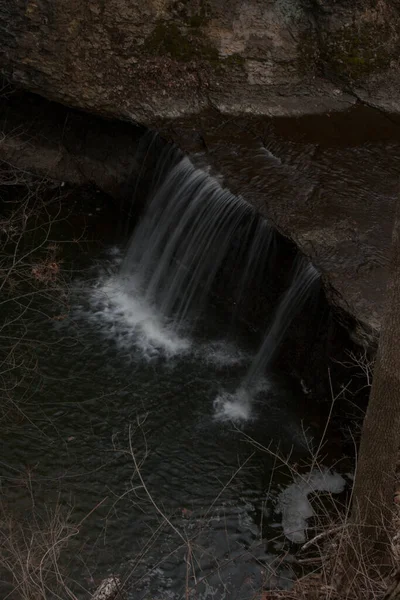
(167, 58)
(62, 144)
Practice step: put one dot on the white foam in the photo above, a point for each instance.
(234, 407)
(126, 317)
(238, 406)
(295, 506)
(121, 313)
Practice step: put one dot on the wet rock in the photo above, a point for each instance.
(58, 143)
(326, 182)
(224, 68)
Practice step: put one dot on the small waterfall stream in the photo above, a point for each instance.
(193, 235)
(302, 287)
(304, 284)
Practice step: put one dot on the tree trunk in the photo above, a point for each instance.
(380, 437)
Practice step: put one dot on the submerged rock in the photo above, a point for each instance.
(109, 589)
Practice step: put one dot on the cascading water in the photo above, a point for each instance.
(179, 246)
(191, 232)
(299, 291)
(259, 249)
(237, 406)
(98, 406)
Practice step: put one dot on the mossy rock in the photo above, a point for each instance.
(353, 52)
(170, 40)
(182, 11)
(359, 50)
(308, 54)
(184, 45)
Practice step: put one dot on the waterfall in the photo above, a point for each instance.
(193, 238)
(237, 406)
(256, 258)
(301, 288)
(190, 227)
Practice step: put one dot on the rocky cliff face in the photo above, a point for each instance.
(143, 60)
(211, 74)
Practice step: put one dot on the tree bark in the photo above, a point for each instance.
(380, 437)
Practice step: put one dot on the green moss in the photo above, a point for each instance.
(356, 60)
(196, 21)
(308, 55)
(359, 50)
(183, 12)
(184, 45)
(201, 19)
(352, 52)
(168, 39)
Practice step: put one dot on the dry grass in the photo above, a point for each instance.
(32, 280)
(34, 547)
(30, 551)
(321, 558)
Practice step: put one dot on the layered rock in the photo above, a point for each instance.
(167, 58)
